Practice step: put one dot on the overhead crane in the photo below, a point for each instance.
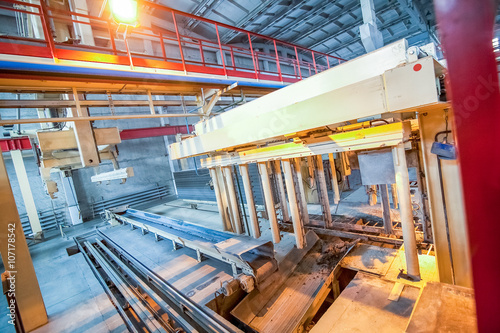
(309, 119)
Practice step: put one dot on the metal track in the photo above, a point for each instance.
(136, 292)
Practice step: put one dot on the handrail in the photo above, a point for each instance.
(283, 69)
(199, 18)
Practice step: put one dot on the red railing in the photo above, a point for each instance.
(156, 47)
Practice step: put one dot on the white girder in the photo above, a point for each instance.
(377, 83)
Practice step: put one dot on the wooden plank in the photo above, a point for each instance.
(396, 291)
(369, 258)
(60, 140)
(363, 307)
(27, 291)
(73, 161)
(444, 308)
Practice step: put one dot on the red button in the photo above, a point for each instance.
(417, 67)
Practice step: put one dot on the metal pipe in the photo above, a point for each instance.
(268, 198)
(218, 198)
(233, 200)
(302, 195)
(281, 188)
(292, 198)
(406, 211)
(335, 182)
(92, 118)
(386, 208)
(325, 204)
(247, 186)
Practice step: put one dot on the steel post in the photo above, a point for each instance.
(302, 194)
(247, 185)
(335, 182)
(298, 228)
(386, 208)
(323, 192)
(220, 204)
(394, 193)
(281, 188)
(405, 207)
(268, 198)
(234, 207)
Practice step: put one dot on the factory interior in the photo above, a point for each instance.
(249, 166)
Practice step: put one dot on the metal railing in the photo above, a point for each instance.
(49, 219)
(170, 50)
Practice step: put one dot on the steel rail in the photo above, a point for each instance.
(143, 286)
(118, 305)
(138, 286)
(189, 308)
(132, 299)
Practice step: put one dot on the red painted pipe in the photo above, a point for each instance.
(466, 30)
(138, 133)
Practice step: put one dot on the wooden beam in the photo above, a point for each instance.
(17, 259)
(85, 136)
(60, 140)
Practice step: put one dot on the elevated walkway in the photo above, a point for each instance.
(66, 46)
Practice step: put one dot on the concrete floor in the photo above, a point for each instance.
(74, 299)
(76, 302)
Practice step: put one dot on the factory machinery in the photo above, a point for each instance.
(386, 110)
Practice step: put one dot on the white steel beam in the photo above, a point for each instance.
(406, 211)
(24, 185)
(368, 138)
(349, 91)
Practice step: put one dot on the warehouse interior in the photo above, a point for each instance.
(249, 166)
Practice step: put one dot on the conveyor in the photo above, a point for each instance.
(254, 257)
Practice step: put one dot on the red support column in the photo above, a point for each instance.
(253, 56)
(162, 45)
(179, 41)
(221, 52)
(314, 63)
(112, 38)
(277, 61)
(201, 53)
(232, 57)
(298, 61)
(466, 30)
(46, 29)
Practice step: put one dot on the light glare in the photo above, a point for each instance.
(124, 11)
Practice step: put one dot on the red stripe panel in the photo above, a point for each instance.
(22, 143)
(137, 133)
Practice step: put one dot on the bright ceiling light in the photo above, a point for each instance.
(124, 11)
